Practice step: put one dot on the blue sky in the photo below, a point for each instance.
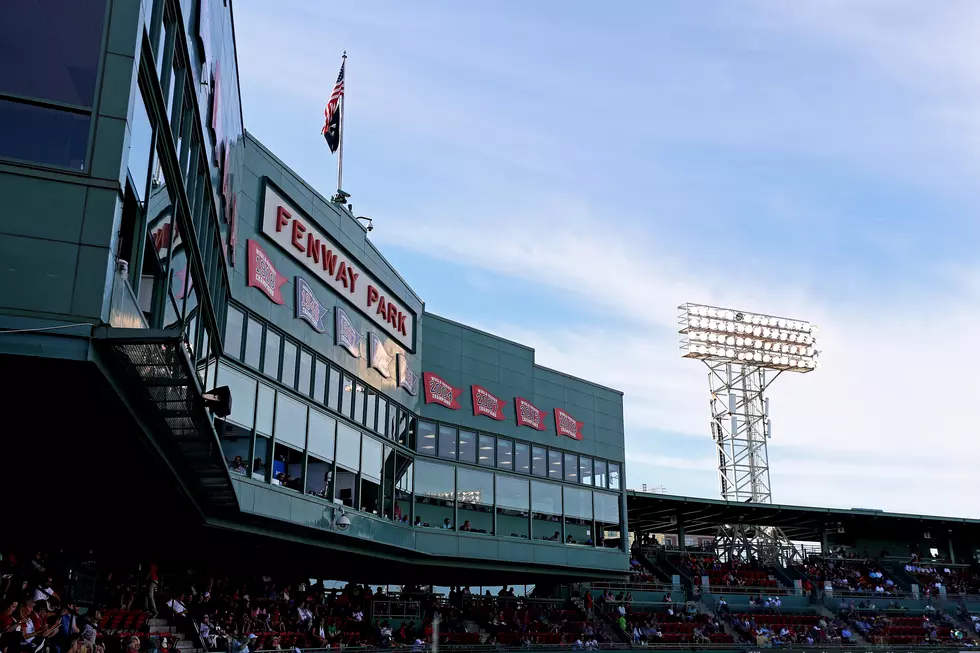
(567, 177)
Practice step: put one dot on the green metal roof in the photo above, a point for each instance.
(654, 512)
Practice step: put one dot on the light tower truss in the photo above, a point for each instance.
(745, 352)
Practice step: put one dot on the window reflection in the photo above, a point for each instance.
(539, 461)
(265, 410)
(600, 473)
(273, 346)
(233, 333)
(382, 422)
(607, 514)
(348, 463)
(287, 468)
(505, 454)
(474, 492)
(305, 371)
(236, 446)
(571, 468)
(333, 390)
(253, 343)
(513, 500)
(546, 511)
(434, 492)
(487, 452)
(614, 476)
(289, 364)
(467, 446)
(290, 422)
(370, 498)
(522, 458)
(447, 441)
(585, 470)
(427, 438)
(347, 396)
(319, 381)
(370, 409)
(578, 515)
(140, 148)
(404, 480)
(359, 403)
(554, 465)
(243, 392)
(263, 457)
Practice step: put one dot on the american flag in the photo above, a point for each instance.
(331, 124)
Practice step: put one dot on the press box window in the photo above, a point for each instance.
(447, 442)
(505, 454)
(614, 476)
(233, 333)
(289, 353)
(486, 454)
(253, 343)
(467, 446)
(554, 465)
(539, 461)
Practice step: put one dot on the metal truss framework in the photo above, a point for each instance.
(740, 429)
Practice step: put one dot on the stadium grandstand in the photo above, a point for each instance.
(234, 427)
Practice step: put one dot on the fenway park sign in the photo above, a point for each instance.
(299, 237)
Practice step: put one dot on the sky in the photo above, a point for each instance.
(566, 178)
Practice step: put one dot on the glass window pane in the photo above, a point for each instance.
(320, 441)
(546, 498)
(242, 396)
(607, 508)
(289, 364)
(522, 458)
(434, 492)
(333, 389)
(447, 442)
(371, 458)
(382, 423)
(505, 454)
(348, 447)
(554, 464)
(305, 371)
(546, 511)
(370, 410)
(585, 470)
(571, 468)
(51, 49)
(319, 474)
(578, 502)
(273, 345)
(359, 403)
(265, 410)
(408, 428)
(614, 476)
(513, 500)
(345, 487)
(253, 343)
(600, 473)
(467, 446)
(140, 147)
(427, 438)
(539, 461)
(263, 455)
(474, 492)
(42, 135)
(233, 333)
(290, 422)
(236, 446)
(319, 381)
(287, 468)
(347, 397)
(404, 481)
(512, 492)
(487, 451)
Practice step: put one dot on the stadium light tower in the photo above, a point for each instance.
(745, 352)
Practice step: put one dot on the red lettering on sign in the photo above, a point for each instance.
(401, 324)
(282, 218)
(313, 247)
(353, 278)
(373, 295)
(382, 308)
(329, 259)
(392, 314)
(342, 274)
(298, 229)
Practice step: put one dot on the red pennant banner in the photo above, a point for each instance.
(528, 414)
(567, 425)
(487, 404)
(438, 391)
(263, 275)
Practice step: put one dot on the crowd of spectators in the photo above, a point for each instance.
(669, 624)
(733, 573)
(851, 575)
(767, 629)
(931, 575)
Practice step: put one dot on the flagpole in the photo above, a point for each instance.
(340, 158)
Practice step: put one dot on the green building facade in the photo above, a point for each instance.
(154, 251)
